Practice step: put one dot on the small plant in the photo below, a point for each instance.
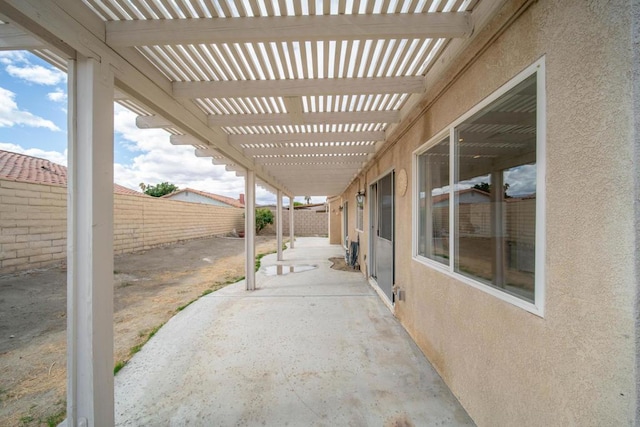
(55, 419)
(136, 348)
(26, 419)
(119, 365)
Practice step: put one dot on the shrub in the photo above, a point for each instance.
(264, 217)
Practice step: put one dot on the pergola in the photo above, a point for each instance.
(297, 96)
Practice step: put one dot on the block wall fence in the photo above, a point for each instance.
(306, 223)
(33, 224)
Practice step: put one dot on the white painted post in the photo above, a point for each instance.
(250, 230)
(291, 215)
(90, 244)
(279, 218)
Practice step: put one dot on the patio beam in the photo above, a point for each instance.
(287, 28)
(299, 87)
(312, 150)
(279, 158)
(13, 38)
(302, 137)
(283, 119)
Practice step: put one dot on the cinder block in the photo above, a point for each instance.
(14, 231)
(40, 244)
(16, 185)
(14, 262)
(40, 258)
(11, 200)
(7, 254)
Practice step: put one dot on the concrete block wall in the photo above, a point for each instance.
(145, 222)
(33, 224)
(305, 223)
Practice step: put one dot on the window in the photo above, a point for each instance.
(478, 198)
(433, 203)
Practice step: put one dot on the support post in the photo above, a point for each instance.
(90, 245)
(250, 230)
(279, 224)
(291, 229)
(498, 228)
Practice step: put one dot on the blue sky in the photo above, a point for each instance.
(33, 121)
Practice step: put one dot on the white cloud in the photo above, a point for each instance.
(521, 180)
(11, 56)
(52, 156)
(11, 115)
(158, 161)
(37, 74)
(57, 96)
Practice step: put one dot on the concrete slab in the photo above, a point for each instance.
(315, 348)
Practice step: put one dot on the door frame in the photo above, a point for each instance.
(373, 215)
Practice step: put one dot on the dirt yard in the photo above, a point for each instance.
(149, 289)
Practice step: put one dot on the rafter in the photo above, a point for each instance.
(304, 167)
(283, 119)
(13, 38)
(293, 158)
(299, 87)
(309, 28)
(306, 137)
(324, 150)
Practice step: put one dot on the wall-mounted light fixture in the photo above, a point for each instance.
(340, 208)
(360, 197)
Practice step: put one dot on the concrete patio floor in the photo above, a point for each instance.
(314, 348)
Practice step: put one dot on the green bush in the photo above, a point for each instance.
(264, 217)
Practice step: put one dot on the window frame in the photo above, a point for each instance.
(537, 307)
(360, 217)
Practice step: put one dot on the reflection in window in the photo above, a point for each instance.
(433, 203)
(495, 192)
(385, 186)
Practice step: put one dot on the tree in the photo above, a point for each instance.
(483, 186)
(159, 190)
(264, 217)
(308, 199)
(486, 187)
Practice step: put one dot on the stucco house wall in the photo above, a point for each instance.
(335, 221)
(577, 364)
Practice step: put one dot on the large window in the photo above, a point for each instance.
(478, 214)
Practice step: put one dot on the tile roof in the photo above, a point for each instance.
(23, 168)
(224, 199)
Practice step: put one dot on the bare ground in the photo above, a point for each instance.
(149, 288)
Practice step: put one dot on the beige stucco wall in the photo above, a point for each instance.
(33, 223)
(335, 221)
(577, 365)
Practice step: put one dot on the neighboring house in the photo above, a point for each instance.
(317, 207)
(468, 196)
(197, 196)
(23, 168)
